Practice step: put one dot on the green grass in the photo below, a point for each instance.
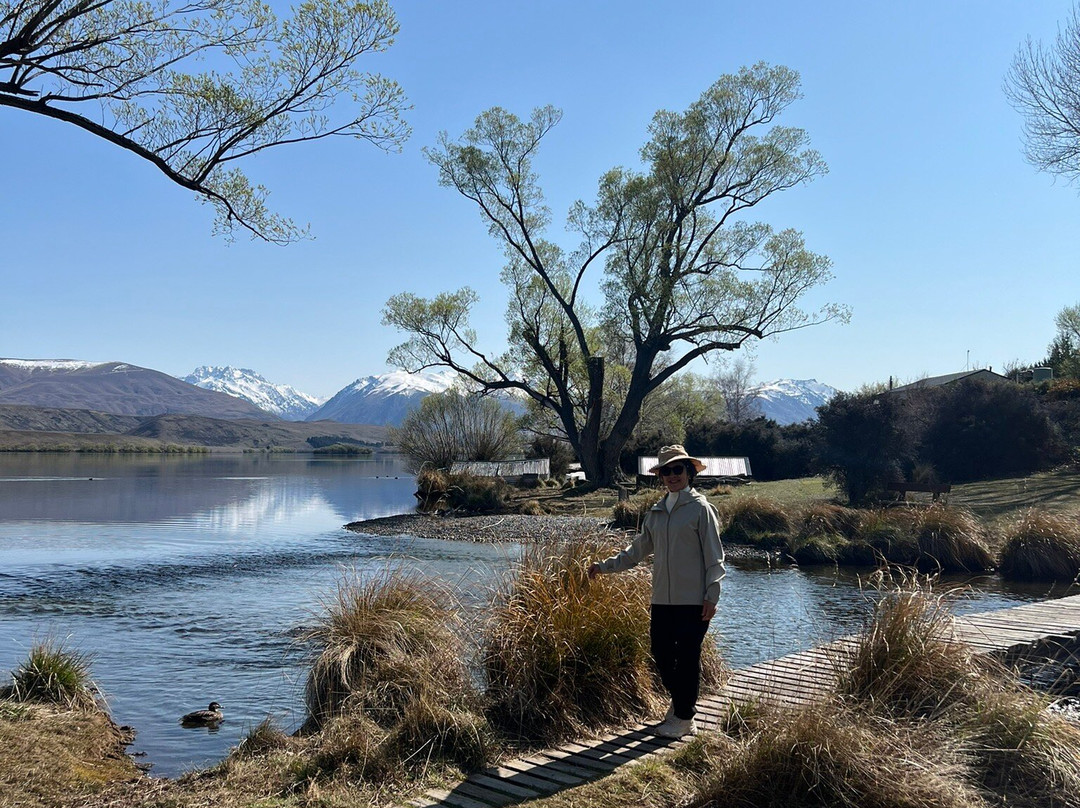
(53, 674)
(993, 500)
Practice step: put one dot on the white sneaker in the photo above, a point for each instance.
(677, 728)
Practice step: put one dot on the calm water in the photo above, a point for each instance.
(188, 580)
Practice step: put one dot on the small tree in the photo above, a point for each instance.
(453, 426)
(864, 443)
(684, 275)
(118, 69)
(734, 380)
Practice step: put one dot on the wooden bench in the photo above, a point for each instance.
(901, 489)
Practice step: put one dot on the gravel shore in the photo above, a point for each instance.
(510, 527)
(487, 528)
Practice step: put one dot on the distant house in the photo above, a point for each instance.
(509, 470)
(732, 467)
(982, 375)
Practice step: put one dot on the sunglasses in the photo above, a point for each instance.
(666, 471)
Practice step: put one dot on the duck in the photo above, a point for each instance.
(209, 717)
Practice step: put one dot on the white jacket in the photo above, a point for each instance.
(688, 558)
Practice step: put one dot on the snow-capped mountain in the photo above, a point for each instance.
(383, 399)
(791, 401)
(280, 399)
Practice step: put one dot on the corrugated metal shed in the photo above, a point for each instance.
(503, 468)
(714, 466)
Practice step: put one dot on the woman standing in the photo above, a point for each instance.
(682, 533)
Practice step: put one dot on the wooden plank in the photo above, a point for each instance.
(584, 762)
(506, 785)
(544, 770)
(561, 765)
(444, 797)
(484, 795)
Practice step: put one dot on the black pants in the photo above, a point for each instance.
(676, 634)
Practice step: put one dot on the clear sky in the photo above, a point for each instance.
(949, 248)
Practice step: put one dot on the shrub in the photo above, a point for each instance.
(980, 430)
(564, 655)
(384, 645)
(53, 674)
(1040, 546)
(951, 540)
(866, 442)
(755, 520)
(630, 513)
(453, 426)
(472, 494)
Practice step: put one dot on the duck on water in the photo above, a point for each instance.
(210, 717)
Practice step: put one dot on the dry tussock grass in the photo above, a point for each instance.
(565, 656)
(1040, 546)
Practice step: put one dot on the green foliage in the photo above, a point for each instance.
(980, 430)
(53, 674)
(776, 452)
(672, 245)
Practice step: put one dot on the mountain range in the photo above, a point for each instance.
(280, 399)
(115, 397)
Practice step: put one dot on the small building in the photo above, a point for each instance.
(513, 471)
(982, 375)
(735, 469)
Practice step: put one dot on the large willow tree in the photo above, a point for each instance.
(196, 86)
(684, 274)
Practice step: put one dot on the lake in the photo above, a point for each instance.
(189, 578)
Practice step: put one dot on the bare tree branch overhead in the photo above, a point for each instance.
(196, 87)
(1044, 86)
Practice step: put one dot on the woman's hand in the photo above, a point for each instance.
(707, 611)
(594, 570)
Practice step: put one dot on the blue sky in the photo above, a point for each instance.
(949, 248)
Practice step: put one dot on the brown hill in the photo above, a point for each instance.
(115, 388)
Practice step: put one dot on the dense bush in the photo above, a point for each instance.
(980, 430)
(955, 433)
(865, 443)
(776, 452)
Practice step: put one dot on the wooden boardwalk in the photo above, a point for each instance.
(791, 680)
